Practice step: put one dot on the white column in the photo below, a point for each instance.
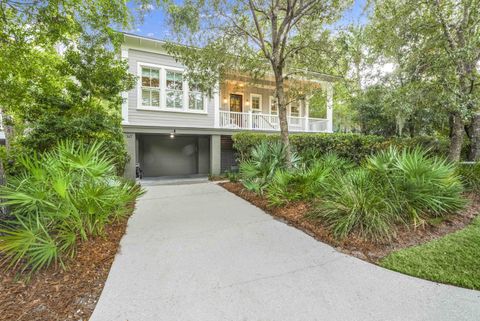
(215, 154)
(250, 119)
(330, 108)
(216, 106)
(307, 113)
(124, 55)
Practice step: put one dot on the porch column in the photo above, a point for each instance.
(124, 56)
(216, 106)
(215, 155)
(329, 108)
(130, 168)
(307, 114)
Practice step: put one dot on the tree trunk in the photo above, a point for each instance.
(282, 114)
(474, 133)
(456, 137)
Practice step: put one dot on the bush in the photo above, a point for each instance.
(306, 183)
(265, 160)
(390, 187)
(470, 173)
(355, 202)
(65, 195)
(353, 147)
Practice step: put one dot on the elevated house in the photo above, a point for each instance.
(173, 129)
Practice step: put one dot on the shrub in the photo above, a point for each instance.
(470, 174)
(390, 187)
(65, 195)
(306, 183)
(265, 160)
(354, 202)
(420, 185)
(353, 147)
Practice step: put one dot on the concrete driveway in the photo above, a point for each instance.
(196, 252)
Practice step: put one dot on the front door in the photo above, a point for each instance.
(236, 103)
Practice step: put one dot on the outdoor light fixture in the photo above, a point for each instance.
(224, 100)
(172, 134)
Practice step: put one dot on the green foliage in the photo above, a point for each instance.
(389, 188)
(470, 173)
(353, 147)
(452, 259)
(232, 176)
(59, 197)
(355, 202)
(266, 159)
(303, 183)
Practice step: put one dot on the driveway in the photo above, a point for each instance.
(199, 253)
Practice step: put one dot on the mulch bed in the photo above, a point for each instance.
(294, 215)
(55, 294)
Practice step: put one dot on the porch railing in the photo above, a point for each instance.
(268, 122)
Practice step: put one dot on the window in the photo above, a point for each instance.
(150, 87)
(273, 106)
(295, 109)
(174, 89)
(256, 100)
(195, 98)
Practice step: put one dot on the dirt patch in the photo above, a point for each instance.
(294, 214)
(55, 294)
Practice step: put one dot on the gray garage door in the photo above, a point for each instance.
(160, 155)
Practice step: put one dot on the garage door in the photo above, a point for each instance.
(161, 155)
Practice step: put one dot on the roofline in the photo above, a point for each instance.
(163, 42)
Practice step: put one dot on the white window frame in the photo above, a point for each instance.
(272, 99)
(299, 109)
(159, 88)
(204, 99)
(163, 90)
(260, 102)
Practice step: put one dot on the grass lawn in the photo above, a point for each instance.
(453, 259)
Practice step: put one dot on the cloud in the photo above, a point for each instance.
(150, 34)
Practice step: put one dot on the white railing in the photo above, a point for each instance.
(259, 121)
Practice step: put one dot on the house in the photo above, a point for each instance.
(173, 129)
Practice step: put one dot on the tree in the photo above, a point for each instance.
(250, 34)
(60, 77)
(437, 43)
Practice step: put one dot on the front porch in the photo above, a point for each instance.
(260, 121)
(247, 105)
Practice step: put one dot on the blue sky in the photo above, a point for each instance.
(154, 23)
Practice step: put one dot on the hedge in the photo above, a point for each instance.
(351, 146)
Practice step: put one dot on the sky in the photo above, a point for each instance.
(154, 23)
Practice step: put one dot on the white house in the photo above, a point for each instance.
(173, 129)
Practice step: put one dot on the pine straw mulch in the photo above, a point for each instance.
(294, 214)
(54, 294)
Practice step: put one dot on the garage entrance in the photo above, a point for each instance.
(160, 155)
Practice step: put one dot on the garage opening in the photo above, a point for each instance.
(180, 156)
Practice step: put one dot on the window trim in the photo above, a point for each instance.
(260, 102)
(270, 106)
(163, 90)
(299, 109)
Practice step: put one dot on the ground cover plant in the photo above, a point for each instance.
(59, 198)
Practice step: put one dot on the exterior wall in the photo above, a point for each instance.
(137, 116)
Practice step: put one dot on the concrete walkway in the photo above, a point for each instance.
(198, 253)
